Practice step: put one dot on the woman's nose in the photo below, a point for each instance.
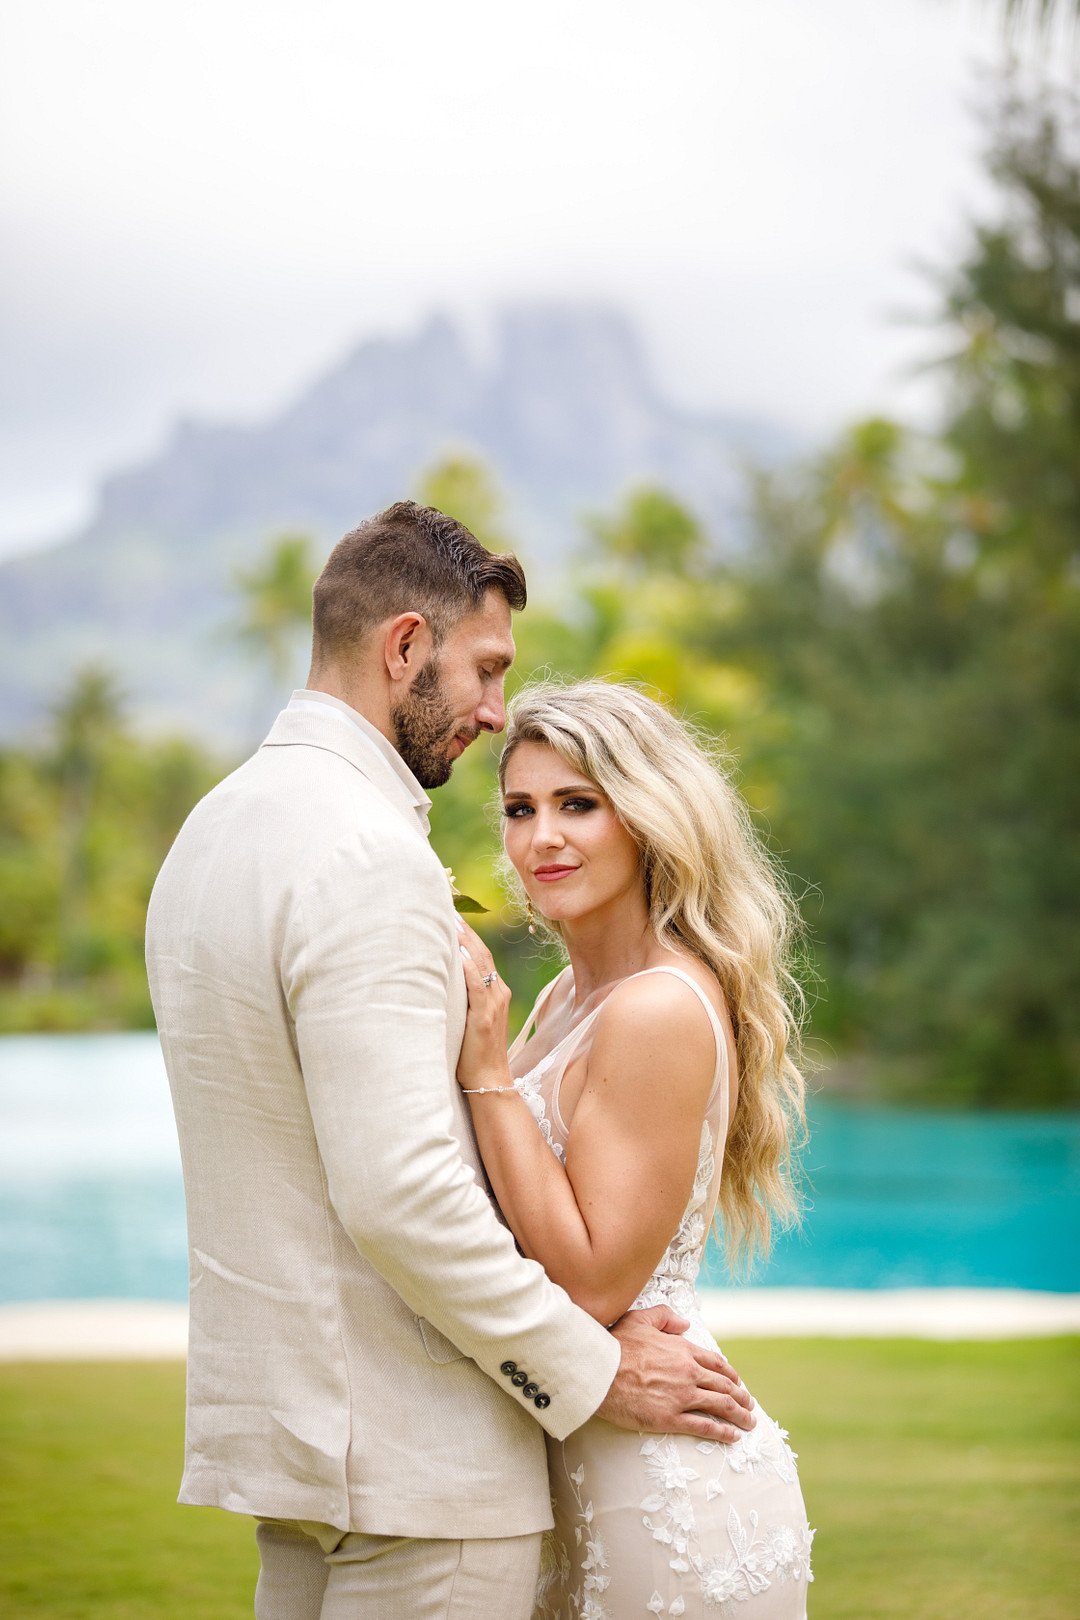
(546, 834)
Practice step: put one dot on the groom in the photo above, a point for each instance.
(372, 1362)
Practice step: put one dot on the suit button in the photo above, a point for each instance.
(541, 1400)
(519, 1379)
(507, 1368)
(530, 1390)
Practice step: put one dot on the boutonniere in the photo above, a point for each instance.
(462, 902)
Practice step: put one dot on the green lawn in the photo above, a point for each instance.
(943, 1480)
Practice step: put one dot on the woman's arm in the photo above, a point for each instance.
(599, 1226)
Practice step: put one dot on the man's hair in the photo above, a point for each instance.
(409, 558)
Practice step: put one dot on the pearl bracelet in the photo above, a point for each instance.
(483, 1091)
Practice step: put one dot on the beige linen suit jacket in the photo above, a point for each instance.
(355, 1297)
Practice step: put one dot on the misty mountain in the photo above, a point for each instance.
(564, 409)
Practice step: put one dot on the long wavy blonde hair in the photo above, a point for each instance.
(712, 890)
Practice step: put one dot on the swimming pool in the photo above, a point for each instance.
(91, 1202)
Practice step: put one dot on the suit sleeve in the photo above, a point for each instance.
(368, 953)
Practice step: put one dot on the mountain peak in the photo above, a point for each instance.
(564, 409)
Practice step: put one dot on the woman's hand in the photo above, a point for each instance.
(483, 1051)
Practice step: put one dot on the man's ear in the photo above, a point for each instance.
(407, 647)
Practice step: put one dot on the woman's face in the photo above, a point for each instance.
(567, 845)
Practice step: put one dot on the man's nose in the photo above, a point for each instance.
(490, 713)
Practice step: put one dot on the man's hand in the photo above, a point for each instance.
(666, 1385)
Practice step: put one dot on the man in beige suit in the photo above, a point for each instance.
(372, 1362)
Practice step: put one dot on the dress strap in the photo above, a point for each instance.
(720, 1073)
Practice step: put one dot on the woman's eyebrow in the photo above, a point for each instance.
(556, 793)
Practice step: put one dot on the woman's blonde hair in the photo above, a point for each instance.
(712, 890)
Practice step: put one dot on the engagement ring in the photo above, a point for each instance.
(488, 979)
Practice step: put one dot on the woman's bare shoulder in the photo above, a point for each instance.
(656, 1016)
(662, 985)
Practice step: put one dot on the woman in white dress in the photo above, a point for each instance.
(651, 1083)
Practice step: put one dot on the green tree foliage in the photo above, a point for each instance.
(276, 604)
(894, 659)
(86, 818)
(464, 488)
(652, 534)
(913, 609)
(938, 799)
(1041, 14)
(87, 723)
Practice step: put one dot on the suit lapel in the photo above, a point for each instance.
(308, 728)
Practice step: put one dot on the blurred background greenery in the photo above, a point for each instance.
(891, 654)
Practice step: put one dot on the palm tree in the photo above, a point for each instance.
(276, 598)
(87, 722)
(464, 488)
(1044, 13)
(1042, 22)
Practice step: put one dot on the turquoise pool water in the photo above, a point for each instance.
(900, 1199)
(91, 1202)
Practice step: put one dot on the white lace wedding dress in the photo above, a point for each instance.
(665, 1524)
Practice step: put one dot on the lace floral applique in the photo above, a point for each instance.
(755, 1561)
(764, 1448)
(553, 1579)
(670, 1475)
(656, 1605)
(588, 1604)
(781, 1553)
(529, 1088)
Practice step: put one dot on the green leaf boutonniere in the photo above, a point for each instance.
(462, 902)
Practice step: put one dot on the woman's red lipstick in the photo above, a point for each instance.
(550, 874)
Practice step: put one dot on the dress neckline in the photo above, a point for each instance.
(544, 1063)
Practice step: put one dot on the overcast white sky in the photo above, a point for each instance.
(205, 203)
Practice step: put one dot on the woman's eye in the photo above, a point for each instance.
(579, 805)
(514, 812)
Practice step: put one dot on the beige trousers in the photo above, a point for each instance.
(307, 1575)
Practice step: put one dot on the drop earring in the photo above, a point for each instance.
(532, 919)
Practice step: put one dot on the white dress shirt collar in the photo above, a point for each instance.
(379, 745)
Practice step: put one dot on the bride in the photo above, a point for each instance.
(650, 1084)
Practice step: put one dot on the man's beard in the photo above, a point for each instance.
(423, 725)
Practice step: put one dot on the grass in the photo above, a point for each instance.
(943, 1479)
(89, 1525)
